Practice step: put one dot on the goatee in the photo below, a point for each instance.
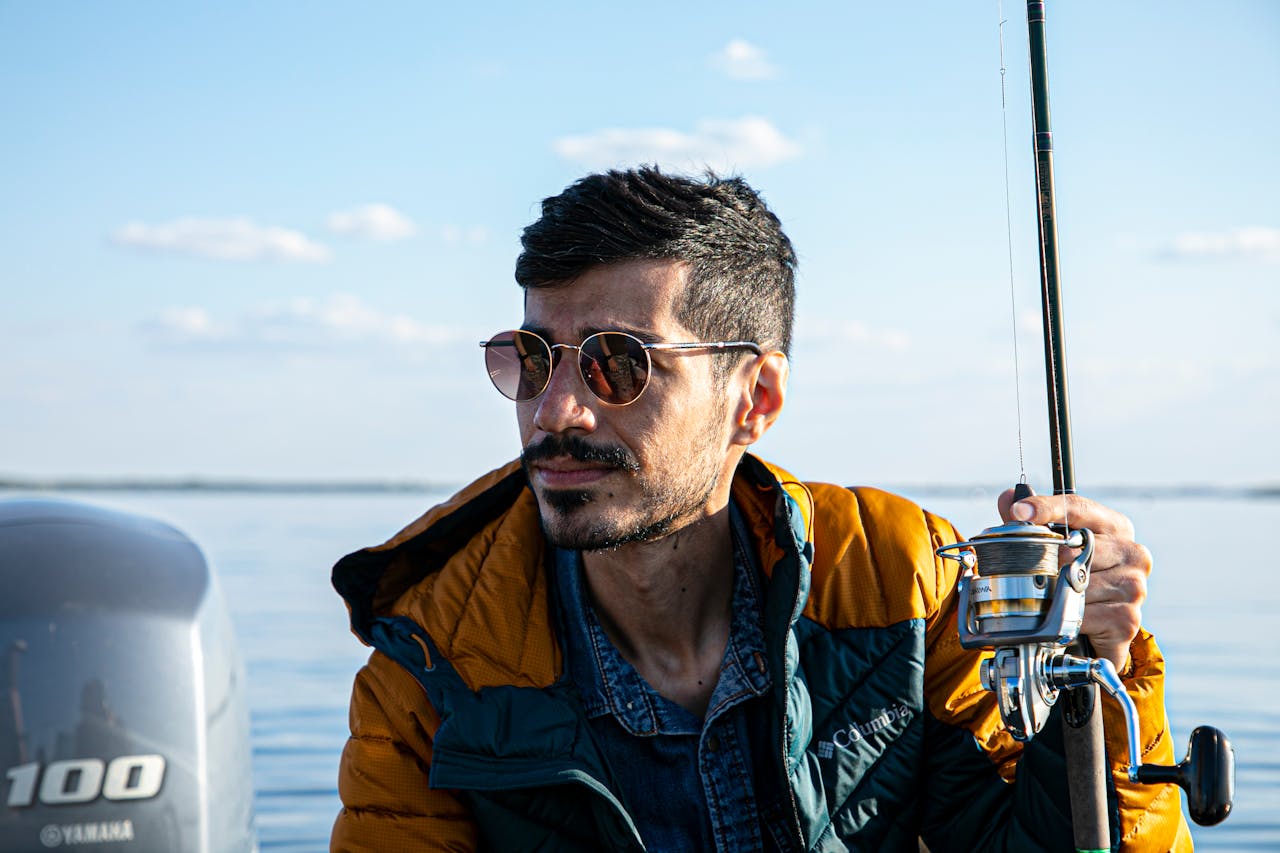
(565, 513)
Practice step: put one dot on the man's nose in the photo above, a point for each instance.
(566, 403)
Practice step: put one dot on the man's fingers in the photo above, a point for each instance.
(1126, 585)
(1111, 623)
(1113, 601)
(1072, 510)
(1110, 552)
(1003, 502)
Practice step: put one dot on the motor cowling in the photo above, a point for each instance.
(123, 714)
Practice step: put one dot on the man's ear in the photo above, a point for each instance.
(764, 393)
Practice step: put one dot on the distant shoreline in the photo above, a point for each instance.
(276, 487)
(371, 487)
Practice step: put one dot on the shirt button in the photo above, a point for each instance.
(713, 744)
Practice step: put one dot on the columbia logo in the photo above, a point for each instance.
(853, 732)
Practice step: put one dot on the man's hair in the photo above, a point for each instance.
(741, 266)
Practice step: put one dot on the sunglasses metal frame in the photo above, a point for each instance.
(644, 347)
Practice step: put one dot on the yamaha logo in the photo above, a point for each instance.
(74, 834)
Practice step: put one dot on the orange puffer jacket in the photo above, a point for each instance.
(466, 735)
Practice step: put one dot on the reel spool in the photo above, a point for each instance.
(1015, 601)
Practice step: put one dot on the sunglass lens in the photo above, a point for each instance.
(519, 364)
(615, 366)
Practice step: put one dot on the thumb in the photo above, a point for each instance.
(1008, 503)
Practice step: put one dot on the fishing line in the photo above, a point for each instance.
(1008, 229)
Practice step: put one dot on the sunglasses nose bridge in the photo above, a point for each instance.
(549, 390)
(556, 355)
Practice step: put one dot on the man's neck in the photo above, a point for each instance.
(667, 606)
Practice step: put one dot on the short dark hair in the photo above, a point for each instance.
(741, 283)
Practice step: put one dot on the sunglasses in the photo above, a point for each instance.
(614, 365)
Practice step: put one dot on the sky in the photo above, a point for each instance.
(264, 239)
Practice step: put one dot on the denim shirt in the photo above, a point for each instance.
(687, 782)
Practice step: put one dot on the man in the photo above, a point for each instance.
(642, 637)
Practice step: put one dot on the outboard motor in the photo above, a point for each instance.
(123, 720)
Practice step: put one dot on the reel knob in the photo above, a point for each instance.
(1207, 774)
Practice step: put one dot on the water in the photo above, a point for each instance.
(1213, 603)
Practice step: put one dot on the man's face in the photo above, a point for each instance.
(607, 475)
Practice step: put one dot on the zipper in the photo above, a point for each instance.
(791, 795)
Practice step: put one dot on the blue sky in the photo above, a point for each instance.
(263, 239)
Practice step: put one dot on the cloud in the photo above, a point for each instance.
(237, 239)
(721, 144)
(1030, 322)
(1256, 241)
(843, 333)
(186, 324)
(380, 222)
(741, 60)
(301, 323)
(475, 235)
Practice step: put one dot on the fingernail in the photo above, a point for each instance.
(1022, 511)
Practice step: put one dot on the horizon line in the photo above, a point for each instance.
(245, 485)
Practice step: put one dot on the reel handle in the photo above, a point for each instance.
(1207, 774)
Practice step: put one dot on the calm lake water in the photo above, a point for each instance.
(1213, 604)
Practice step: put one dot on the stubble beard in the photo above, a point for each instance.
(664, 510)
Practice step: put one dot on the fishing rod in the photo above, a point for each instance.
(1016, 601)
(1082, 711)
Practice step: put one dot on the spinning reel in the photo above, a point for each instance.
(1015, 600)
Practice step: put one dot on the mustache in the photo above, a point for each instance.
(580, 450)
